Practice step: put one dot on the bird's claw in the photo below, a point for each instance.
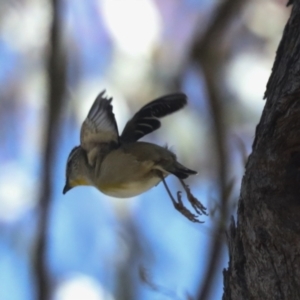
(182, 209)
(196, 204)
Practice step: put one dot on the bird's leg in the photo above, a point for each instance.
(197, 205)
(179, 205)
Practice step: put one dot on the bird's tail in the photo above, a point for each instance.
(182, 172)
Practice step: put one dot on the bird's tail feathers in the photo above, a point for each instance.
(182, 172)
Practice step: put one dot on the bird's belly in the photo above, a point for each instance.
(128, 189)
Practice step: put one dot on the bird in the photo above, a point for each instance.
(122, 166)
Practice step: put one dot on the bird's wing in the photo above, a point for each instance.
(146, 120)
(99, 128)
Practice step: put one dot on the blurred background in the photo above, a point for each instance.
(141, 248)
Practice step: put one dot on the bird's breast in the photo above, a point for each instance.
(128, 189)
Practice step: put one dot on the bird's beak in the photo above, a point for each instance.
(66, 188)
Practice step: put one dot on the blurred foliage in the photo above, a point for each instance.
(136, 50)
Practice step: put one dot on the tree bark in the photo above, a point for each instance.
(264, 246)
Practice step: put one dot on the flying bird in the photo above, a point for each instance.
(120, 165)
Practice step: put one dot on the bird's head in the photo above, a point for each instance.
(75, 174)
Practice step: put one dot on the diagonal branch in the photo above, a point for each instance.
(208, 55)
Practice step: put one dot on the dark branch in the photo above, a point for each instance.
(56, 80)
(209, 55)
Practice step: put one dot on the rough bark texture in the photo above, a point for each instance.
(264, 246)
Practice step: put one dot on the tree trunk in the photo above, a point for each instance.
(264, 246)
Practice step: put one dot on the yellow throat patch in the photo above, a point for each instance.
(79, 181)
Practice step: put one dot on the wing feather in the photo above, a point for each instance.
(99, 127)
(146, 120)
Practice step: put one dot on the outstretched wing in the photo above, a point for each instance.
(100, 126)
(146, 120)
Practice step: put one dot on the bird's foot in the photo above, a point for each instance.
(197, 205)
(183, 210)
(178, 204)
(199, 208)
